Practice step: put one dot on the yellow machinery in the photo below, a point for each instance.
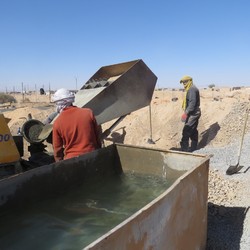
(8, 149)
(11, 148)
(10, 156)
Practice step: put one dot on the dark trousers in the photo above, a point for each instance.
(190, 132)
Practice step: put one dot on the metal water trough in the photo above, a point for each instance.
(176, 219)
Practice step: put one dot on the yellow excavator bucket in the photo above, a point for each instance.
(8, 150)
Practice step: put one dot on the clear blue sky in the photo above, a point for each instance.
(62, 43)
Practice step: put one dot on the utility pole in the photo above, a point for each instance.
(22, 92)
(76, 84)
(36, 92)
(49, 92)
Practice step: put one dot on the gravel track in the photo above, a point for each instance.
(229, 197)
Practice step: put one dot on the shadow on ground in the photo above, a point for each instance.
(208, 135)
(225, 227)
(117, 137)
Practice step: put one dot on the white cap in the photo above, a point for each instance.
(61, 94)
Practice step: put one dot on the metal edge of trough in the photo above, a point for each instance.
(161, 221)
(27, 187)
(176, 219)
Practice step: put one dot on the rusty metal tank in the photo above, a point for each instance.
(176, 219)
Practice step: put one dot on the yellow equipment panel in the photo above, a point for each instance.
(8, 150)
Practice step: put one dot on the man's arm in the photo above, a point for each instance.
(97, 129)
(57, 145)
(192, 100)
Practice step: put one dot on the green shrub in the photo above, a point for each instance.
(6, 98)
(211, 86)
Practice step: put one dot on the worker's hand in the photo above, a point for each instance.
(184, 117)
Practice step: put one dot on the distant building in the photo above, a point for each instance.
(236, 88)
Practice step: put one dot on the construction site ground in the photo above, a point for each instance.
(159, 126)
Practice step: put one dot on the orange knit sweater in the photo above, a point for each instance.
(75, 132)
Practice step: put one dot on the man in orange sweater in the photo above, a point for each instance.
(75, 131)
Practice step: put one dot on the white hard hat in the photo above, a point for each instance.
(61, 94)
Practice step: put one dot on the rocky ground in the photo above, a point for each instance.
(221, 126)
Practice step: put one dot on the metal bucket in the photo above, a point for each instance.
(31, 130)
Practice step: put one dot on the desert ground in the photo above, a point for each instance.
(159, 126)
(223, 114)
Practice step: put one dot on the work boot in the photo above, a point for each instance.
(184, 146)
(193, 146)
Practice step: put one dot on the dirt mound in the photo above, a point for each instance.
(221, 121)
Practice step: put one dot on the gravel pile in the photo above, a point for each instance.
(231, 127)
(229, 197)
